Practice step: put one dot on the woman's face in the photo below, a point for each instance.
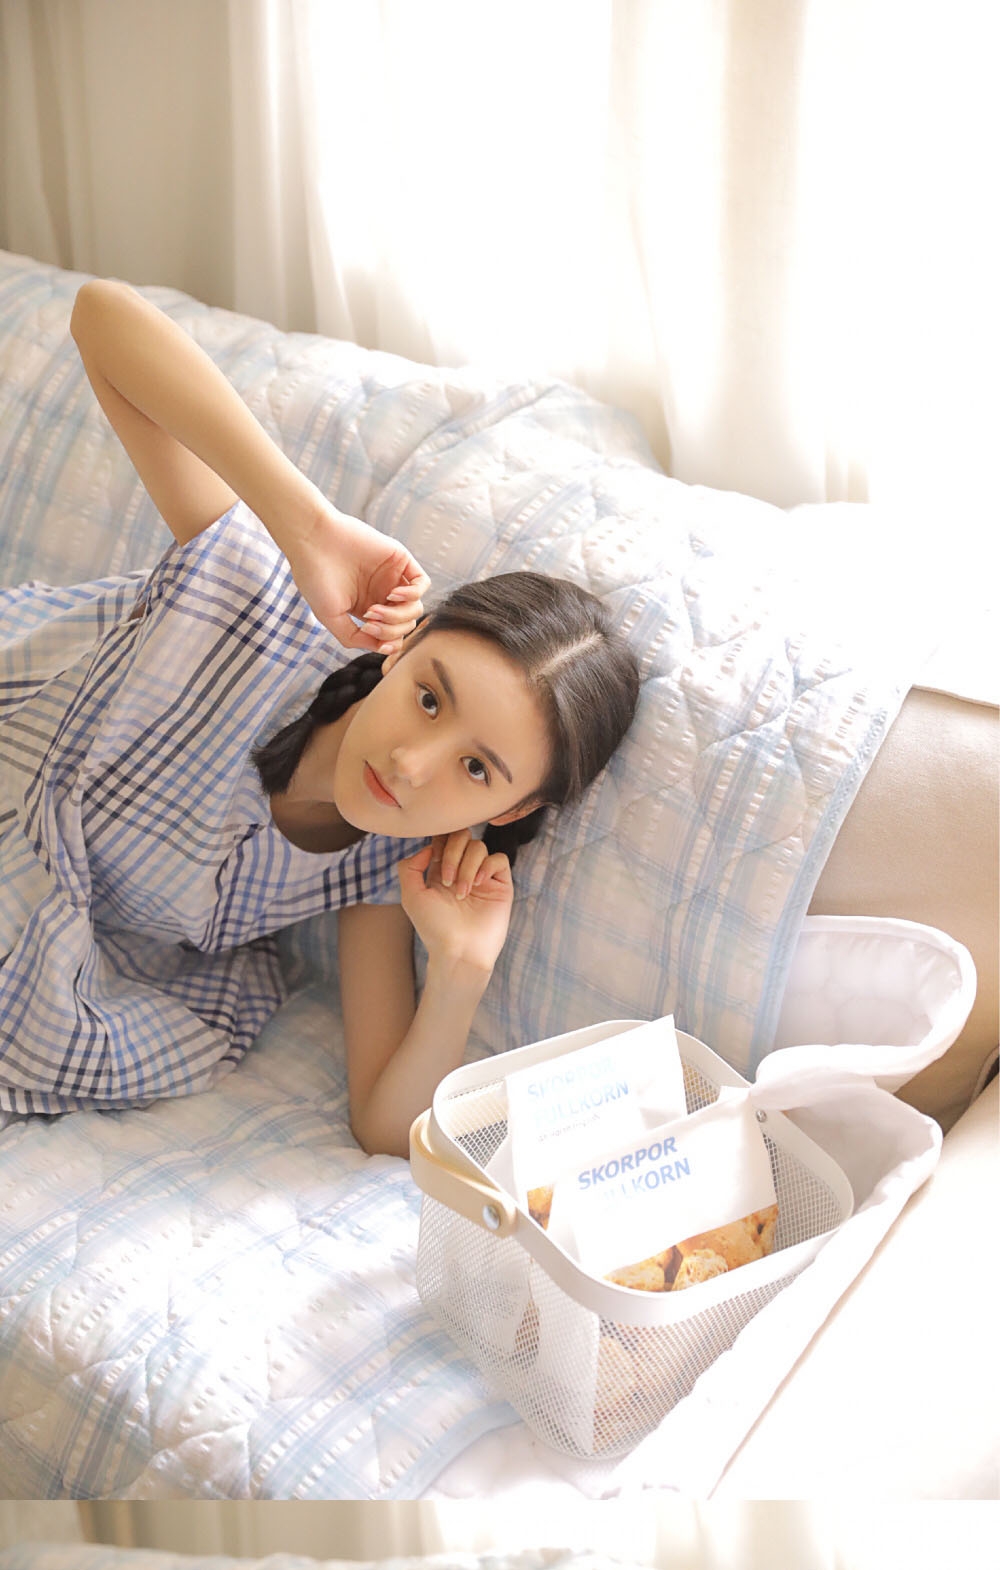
(451, 737)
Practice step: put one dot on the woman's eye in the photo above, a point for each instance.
(428, 701)
(477, 770)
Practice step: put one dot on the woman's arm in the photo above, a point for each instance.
(197, 447)
(194, 442)
(398, 1051)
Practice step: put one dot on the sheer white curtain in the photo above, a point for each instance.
(34, 1522)
(668, 1534)
(359, 1530)
(766, 229)
(371, 1531)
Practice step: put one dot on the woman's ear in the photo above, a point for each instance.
(517, 812)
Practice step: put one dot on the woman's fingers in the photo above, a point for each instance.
(460, 861)
(480, 872)
(399, 582)
(462, 864)
(451, 857)
(390, 621)
(386, 624)
(495, 869)
(396, 611)
(473, 857)
(371, 637)
(412, 588)
(414, 581)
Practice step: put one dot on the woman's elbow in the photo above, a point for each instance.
(91, 298)
(376, 1139)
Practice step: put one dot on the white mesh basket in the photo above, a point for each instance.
(591, 1367)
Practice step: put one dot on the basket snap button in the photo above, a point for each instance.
(491, 1217)
(761, 1117)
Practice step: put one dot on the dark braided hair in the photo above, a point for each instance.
(276, 760)
(575, 661)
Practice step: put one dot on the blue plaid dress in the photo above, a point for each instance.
(141, 876)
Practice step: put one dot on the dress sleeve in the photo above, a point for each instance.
(233, 565)
(378, 856)
(225, 631)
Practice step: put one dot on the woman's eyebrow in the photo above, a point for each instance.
(449, 692)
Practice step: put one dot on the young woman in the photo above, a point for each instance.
(174, 790)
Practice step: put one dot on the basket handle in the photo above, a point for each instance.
(806, 1076)
(476, 1200)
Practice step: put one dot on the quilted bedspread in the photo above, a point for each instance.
(214, 1296)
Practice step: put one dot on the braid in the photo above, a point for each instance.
(345, 686)
(276, 760)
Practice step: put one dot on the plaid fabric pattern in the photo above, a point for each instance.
(143, 877)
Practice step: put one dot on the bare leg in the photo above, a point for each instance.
(921, 842)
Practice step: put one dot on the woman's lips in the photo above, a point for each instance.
(378, 790)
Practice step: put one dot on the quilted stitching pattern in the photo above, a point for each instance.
(214, 1297)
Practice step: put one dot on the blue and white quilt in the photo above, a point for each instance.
(214, 1296)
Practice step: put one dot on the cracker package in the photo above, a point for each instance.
(685, 1202)
(563, 1110)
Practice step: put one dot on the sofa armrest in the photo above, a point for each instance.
(897, 1396)
(920, 843)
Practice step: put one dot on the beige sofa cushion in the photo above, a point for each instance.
(921, 842)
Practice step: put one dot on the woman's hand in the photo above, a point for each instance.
(459, 899)
(344, 568)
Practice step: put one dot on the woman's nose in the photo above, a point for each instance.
(414, 764)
